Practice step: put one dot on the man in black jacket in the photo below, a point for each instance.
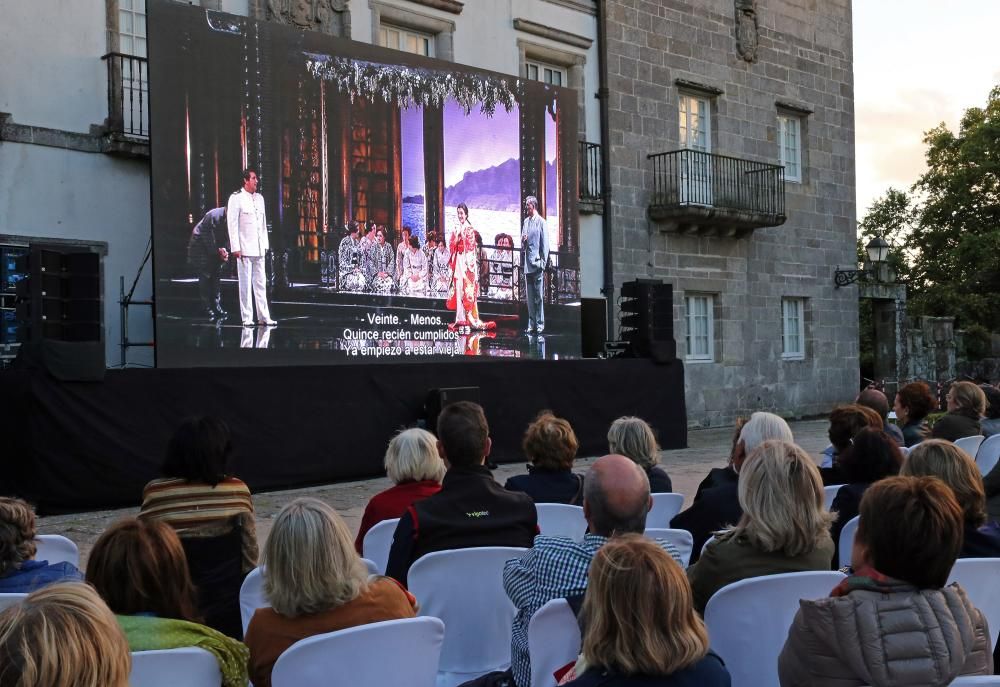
(208, 252)
(471, 509)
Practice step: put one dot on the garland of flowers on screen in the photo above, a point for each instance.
(412, 86)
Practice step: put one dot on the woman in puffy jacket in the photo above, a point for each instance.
(893, 622)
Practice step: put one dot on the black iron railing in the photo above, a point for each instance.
(693, 178)
(128, 94)
(591, 185)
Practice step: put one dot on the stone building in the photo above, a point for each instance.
(740, 85)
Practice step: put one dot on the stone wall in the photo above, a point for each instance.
(803, 63)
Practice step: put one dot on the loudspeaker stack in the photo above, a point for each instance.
(647, 319)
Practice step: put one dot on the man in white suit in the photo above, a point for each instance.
(248, 241)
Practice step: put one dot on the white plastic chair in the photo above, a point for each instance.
(682, 539)
(846, 544)
(372, 567)
(56, 548)
(748, 621)
(980, 578)
(988, 454)
(377, 542)
(970, 444)
(561, 520)
(553, 641)
(190, 667)
(393, 652)
(464, 588)
(829, 494)
(977, 680)
(665, 507)
(252, 597)
(8, 600)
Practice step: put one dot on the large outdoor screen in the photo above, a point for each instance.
(318, 200)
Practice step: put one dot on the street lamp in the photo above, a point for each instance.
(878, 252)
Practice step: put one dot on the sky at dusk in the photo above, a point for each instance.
(917, 63)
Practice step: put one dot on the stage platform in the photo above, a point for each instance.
(84, 445)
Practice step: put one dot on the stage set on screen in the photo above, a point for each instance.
(320, 197)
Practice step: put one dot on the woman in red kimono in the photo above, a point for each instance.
(464, 290)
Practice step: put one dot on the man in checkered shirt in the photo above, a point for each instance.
(615, 501)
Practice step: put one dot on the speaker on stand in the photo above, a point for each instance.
(647, 319)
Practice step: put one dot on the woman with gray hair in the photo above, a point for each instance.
(633, 438)
(784, 528)
(316, 583)
(415, 468)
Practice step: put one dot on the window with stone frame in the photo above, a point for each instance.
(790, 146)
(547, 73)
(699, 315)
(412, 31)
(793, 328)
(407, 40)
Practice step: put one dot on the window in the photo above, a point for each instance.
(406, 40)
(790, 146)
(793, 328)
(700, 335)
(695, 123)
(539, 71)
(132, 27)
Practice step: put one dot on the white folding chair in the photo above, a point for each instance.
(56, 548)
(846, 544)
(988, 454)
(977, 680)
(665, 507)
(252, 596)
(464, 588)
(970, 444)
(377, 542)
(748, 621)
(393, 652)
(829, 494)
(561, 520)
(190, 667)
(682, 539)
(980, 578)
(8, 600)
(553, 641)
(372, 567)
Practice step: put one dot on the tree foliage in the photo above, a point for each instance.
(947, 227)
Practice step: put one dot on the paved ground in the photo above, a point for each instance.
(708, 448)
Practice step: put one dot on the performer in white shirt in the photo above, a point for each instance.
(248, 241)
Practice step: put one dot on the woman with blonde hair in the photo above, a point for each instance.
(551, 444)
(954, 467)
(416, 470)
(633, 438)
(316, 583)
(966, 406)
(20, 573)
(62, 636)
(784, 527)
(639, 623)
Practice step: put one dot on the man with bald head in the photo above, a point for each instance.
(877, 401)
(615, 501)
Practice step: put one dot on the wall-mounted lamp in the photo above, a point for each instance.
(878, 252)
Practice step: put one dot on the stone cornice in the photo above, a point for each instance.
(565, 37)
(797, 108)
(452, 6)
(585, 6)
(97, 141)
(698, 87)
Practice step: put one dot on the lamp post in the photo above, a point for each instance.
(878, 252)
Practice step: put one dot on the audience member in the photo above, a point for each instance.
(990, 424)
(633, 438)
(415, 468)
(966, 404)
(19, 571)
(196, 496)
(876, 400)
(62, 636)
(139, 569)
(913, 402)
(639, 626)
(551, 445)
(845, 423)
(316, 583)
(784, 527)
(872, 455)
(616, 500)
(728, 475)
(893, 622)
(954, 467)
(471, 509)
(718, 507)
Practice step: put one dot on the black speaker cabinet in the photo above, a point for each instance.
(439, 398)
(60, 296)
(647, 318)
(593, 325)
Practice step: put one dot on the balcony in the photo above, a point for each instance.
(591, 181)
(127, 126)
(715, 195)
